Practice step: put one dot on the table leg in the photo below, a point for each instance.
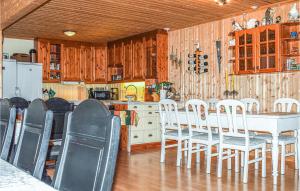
(275, 151)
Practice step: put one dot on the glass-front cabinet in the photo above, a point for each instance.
(245, 51)
(268, 49)
(257, 50)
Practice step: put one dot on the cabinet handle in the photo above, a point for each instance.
(150, 106)
(135, 136)
(150, 113)
(150, 135)
(135, 107)
(149, 122)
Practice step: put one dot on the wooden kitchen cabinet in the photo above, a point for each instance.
(139, 59)
(100, 64)
(127, 66)
(71, 67)
(43, 49)
(87, 63)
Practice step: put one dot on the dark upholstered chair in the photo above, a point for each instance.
(34, 138)
(19, 103)
(59, 107)
(90, 146)
(7, 125)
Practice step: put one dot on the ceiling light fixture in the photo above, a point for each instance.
(222, 2)
(69, 33)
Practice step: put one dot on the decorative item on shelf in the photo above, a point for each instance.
(197, 62)
(278, 19)
(294, 34)
(32, 54)
(252, 23)
(263, 22)
(232, 42)
(131, 96)
(5, 56)
(236, 26)
(294, 51)
(294, 14)
(162, 89)
(51, 93)
(269, 16)
(291, 64)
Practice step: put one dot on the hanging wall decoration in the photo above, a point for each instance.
(197, 62)
(219, 57)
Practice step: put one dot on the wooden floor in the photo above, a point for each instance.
(143, 171)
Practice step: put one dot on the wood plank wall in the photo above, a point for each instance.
(265, 87)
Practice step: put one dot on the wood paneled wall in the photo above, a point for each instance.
(265, 87)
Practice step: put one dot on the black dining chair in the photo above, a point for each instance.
(19, 103)
(89, 152)
(59, 107)
(34, 138)
(7, 125)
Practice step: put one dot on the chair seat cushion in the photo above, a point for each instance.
(281, 138)
(240, 141)
(184, 132)
(204, 137)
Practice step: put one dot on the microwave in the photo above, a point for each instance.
(102, 95)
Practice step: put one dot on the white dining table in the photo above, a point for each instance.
(14, 179)
(274, 123)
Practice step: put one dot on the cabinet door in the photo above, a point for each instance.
(43, 56)
(268, 49)
(71, 63)
(127, 67)
(87, 64)
(118, 60)
(139, 62)
(111, 54)
(100, 65)
(151, 57)
(245, 50)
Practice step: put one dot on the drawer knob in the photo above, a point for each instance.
(150, 113)
(150, 106)
(150, 135)
(135, 107)
(149, 122)
(135, 136)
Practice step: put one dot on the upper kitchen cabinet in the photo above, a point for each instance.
(49, 54)
(87, 64)
(71, 67)
(139, 59)
(144, 56)
(100, 64)
(258, 50)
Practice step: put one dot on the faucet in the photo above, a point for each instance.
(130, 97)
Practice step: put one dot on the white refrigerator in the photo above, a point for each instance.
(22, 79)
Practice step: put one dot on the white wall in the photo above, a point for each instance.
(12, 45)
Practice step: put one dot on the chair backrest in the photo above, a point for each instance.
(90, 146)
(169, 115)
(250, 103)
(19, 103)
(212, 103)
(59, 107)
(34, 138)
(286, 105)
(229, 124)
(7, 125)
(197, 113)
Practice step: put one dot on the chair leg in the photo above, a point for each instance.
(229, 159)
(185, 147)
(296, 156)
(264, 157)
(282, 159)
(220, 160)
(163, 150)
(242, 158)
(190, 145)
(246, 166)
(208, 159)
(198, 153)
(179, 152)
(256, 157)
(236, 161)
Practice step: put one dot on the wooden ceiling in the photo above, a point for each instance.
(106, 20)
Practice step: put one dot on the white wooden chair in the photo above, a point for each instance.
(200, 132)
(234, 135)
(284, 105)
(251, 105)
(212, 102)
(171, 129)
